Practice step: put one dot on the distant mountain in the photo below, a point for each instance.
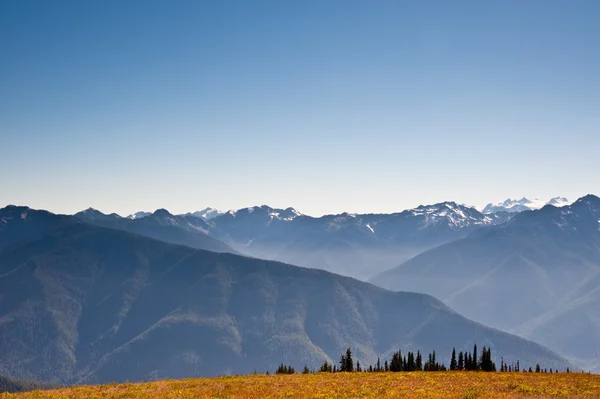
(18, 223)
(162, 225)
(91, 304)
(524, 204)
(92, 214)
(350, 244)
(206, 214)
(139, 215)
(537, 275)
(559, 202)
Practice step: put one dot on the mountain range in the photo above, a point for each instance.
(354, 245)
(161, 225)
(538, 275)
(86, 303)
(524, 204)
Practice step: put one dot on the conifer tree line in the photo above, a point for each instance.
(410, 361)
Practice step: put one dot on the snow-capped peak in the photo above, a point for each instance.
(287, 214)
(559, 202)
(524, 204)
(207, 213)
(139, 215)
(456, 216)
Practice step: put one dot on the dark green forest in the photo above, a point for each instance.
(464, 361)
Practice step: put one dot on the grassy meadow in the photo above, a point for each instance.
(463, 385)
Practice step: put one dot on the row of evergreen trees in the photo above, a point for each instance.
(465, 361)
(470, 362)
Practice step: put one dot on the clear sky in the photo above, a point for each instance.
(326, 106)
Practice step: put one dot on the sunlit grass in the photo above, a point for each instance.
(463, 385)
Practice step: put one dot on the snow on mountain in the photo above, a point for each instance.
(559, 202)
(139, 215)
(207, 213)
(287, 214)
(524, 204)
(456, 216)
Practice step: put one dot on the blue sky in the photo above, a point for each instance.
(327, 106)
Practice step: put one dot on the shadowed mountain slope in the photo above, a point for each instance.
(90, 304)
(18, 223)
(161, 225)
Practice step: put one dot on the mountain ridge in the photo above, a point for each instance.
(524, 204)
(164, 226)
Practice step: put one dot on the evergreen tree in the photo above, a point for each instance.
(305, 370)
(283, 369)
(349, 362)
(396, 363)
(474, 365)
(537, 368)
(326, 368)
(419, 362)
(386, 366)
(461, 361)
(342, 363)
(378, 367)
(453, 363)
(486, 363)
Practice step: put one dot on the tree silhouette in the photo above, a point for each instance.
(453, 362)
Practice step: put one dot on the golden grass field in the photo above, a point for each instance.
(464, 385)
